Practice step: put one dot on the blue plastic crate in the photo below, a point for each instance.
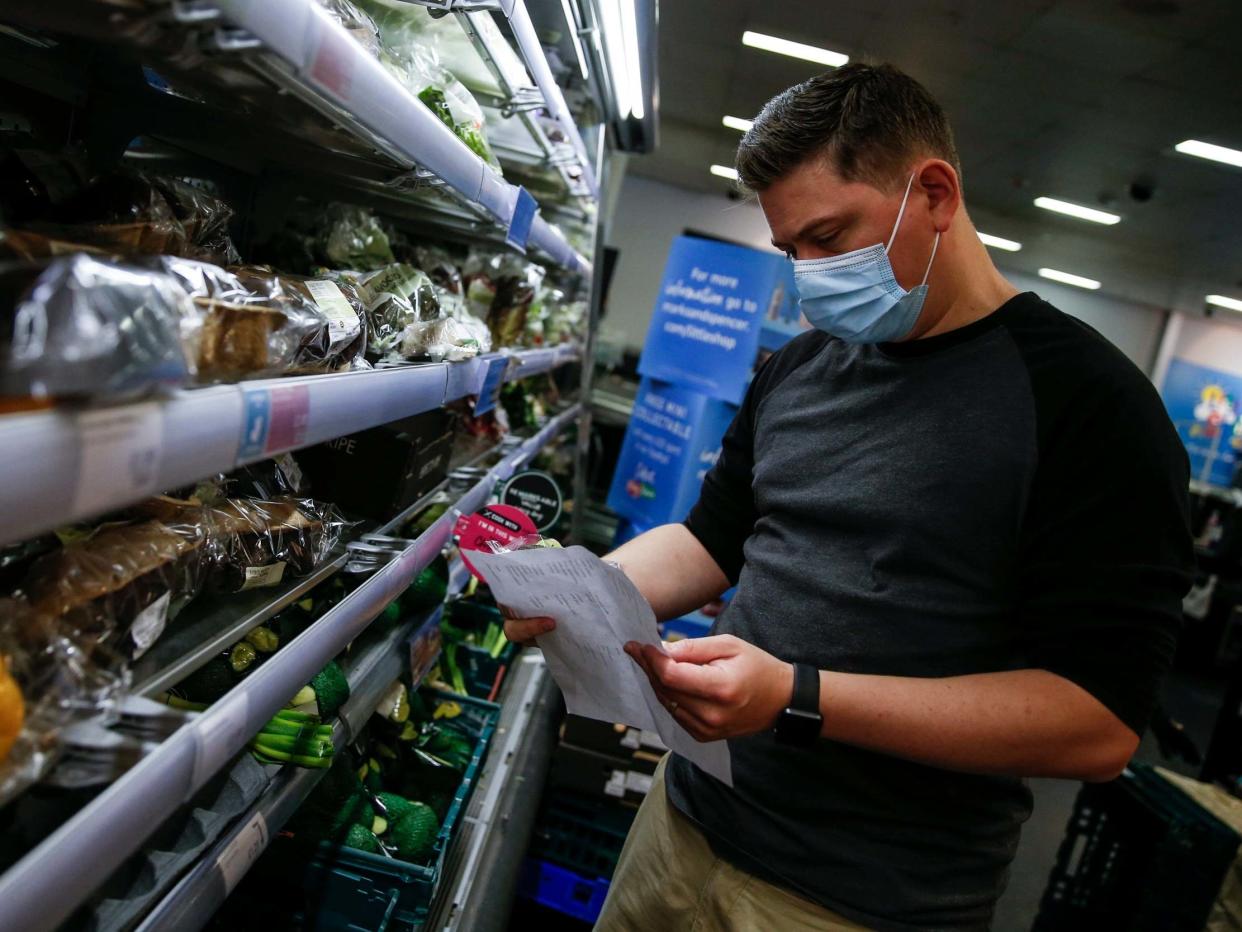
(563, 890)
(361, 892)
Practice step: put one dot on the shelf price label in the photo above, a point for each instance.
(273, 419)
(121, 449)
(523, 216)
(489, 390)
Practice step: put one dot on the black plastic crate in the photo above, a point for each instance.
(1138, 854)
(581, 833)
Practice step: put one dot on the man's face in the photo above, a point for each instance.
(813, 213)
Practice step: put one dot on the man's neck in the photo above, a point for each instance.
(968, 288)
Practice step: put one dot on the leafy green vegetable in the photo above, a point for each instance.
(362, 838)
(331, 689)
(414, 834)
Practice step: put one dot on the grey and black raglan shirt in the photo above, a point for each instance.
(1005, 496)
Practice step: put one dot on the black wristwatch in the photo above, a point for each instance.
(800, 723)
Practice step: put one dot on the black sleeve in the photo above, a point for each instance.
(725, 514)
(1106, 552)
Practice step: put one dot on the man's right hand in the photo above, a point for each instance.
(523, 631)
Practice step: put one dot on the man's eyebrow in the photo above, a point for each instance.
(807, 227)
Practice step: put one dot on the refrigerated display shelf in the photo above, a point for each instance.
(318, 61)
(53, 879)
(66, 465)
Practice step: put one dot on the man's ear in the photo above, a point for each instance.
(940, 183)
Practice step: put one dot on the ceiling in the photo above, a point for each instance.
(1073, 99)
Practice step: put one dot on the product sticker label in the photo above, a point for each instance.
(121, 449)
(260, 577)
(242, 852)
(524, 211)
(499, 523)
(219, 733)
(273, 419)
(290, 470)
(149, 625)
(343, 319)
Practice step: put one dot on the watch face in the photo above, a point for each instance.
(798, 727)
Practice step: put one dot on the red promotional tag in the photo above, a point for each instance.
(499, 523)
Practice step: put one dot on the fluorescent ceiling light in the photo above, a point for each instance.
(738, 124)
(1220, 300)
(573, 35)
(757, 40)
(999, 242)
(620, 28)
(1205, 150)
(724, 171)
(1077, 210)
(1068, 279)
(629, 21)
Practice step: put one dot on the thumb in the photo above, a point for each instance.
(702, 650)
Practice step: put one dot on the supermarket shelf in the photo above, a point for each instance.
(65, 465)
(191, 903)
(481, 878)
(44, 888)
(319, 62)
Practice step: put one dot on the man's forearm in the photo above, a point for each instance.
(1024, 722)
(672, 570)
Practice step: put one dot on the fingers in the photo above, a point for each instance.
(525, 630)
(703, 650)
(694, 679)
(633, 648)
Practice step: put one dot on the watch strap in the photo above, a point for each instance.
(805, 689)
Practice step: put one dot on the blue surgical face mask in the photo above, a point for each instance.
(855, 295)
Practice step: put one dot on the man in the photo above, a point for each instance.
(957, 522)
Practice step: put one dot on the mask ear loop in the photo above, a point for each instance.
(927, 271)
(900, 213)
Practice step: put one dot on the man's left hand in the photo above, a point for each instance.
(717, 687)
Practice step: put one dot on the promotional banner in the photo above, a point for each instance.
(713, 302)
(1203, 405)
(673, 439)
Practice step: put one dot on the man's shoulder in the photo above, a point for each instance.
(1063, 351)
(786, 360)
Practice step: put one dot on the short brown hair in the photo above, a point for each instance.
(870, 120)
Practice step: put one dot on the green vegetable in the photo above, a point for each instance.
(331, 689)
(429, 588)
(241, 657)
(379, 825)
(362, 838)
(414, 834)
(304, 696)
(210, 681)
(275, 756)
(396, 806)
(264, 640)
(437, 103)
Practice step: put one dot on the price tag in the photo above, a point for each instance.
(537, 494)
(121, 450)
(242, 852)
(149, 624)
(272, 419)
(259, 577)
(489, 391)
(342, 318)
(524, 211)
(218, 736)
(290, 470)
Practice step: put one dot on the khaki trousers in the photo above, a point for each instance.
(670, 880)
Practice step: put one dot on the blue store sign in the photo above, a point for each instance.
(713, 302)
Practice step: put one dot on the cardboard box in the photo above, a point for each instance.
(593, 774)
(378, 472)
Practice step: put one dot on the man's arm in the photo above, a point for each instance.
(1022, 723)
(672, 570)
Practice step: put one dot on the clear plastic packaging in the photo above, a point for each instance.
(46, 684)
(253, 543)
(112, 591)
(517, 284)
(356, 22)
(395, 297)
(85, 327)
(444, 339)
